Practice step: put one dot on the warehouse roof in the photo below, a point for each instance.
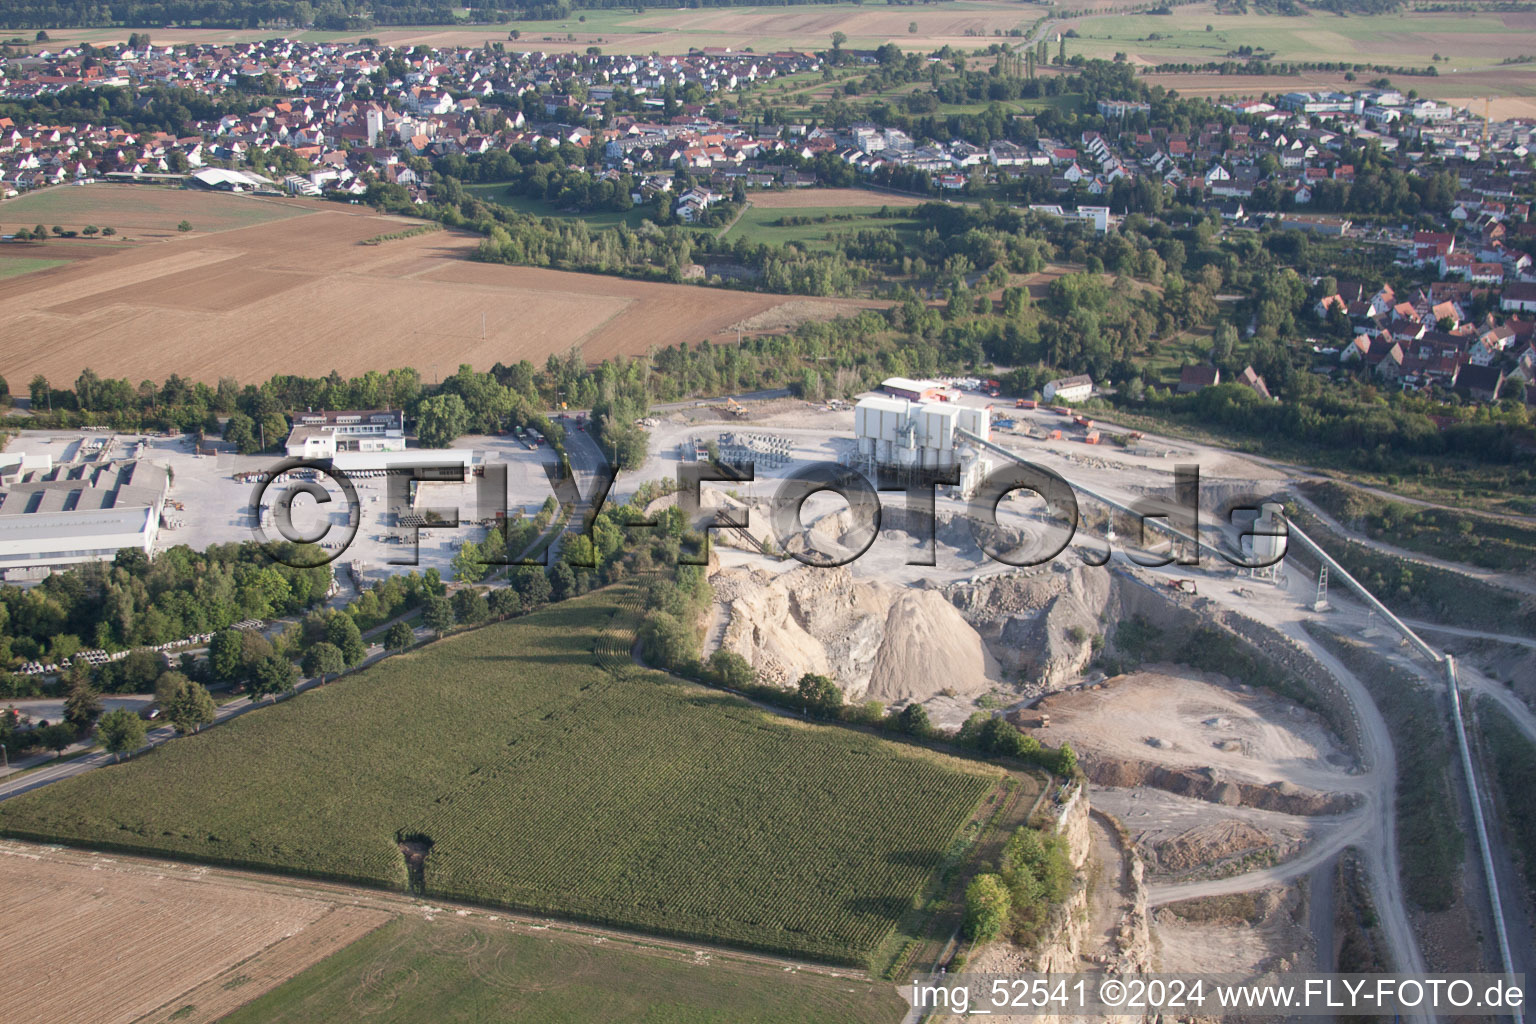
(85, 487)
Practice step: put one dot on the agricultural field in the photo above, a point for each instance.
(164, 932)
(1471, 44)
(303, 295)
(675, 30)
(536, 780)
(16, 266)
(143, 211)
(450, 969)
(496, 192)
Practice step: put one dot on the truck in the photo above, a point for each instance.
(1083, 421)
(1026, 403)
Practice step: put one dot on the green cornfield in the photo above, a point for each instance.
(545, 773)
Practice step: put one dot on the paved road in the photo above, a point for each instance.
(1320, 912)
(587, 463)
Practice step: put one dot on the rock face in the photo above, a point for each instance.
(1069, 941)
(1041, 626)
(878, 641)
(1209, 784)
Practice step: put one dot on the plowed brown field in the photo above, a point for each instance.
(302, 296)
(91, 940)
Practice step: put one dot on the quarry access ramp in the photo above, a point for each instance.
(1436, 658)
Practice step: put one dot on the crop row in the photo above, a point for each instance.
(548, 784)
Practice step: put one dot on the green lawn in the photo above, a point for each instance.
(472, 972)
(544, 782)
(19, 265)
(763, 225)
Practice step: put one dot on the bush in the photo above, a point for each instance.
(727, 668)
(988, 905)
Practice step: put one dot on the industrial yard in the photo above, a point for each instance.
(1224, 789)
(1223, 809)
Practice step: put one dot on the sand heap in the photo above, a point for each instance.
(879, 641)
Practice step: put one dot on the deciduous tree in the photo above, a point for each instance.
(438, 615)
(398, 636)
(819, 695)
(322, 660)
(121, 732)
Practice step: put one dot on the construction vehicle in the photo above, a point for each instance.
(735, 407)
(1183, 586)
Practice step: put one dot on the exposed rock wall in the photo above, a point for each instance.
(1208, 784)
(1068, 945)
(1041, 623)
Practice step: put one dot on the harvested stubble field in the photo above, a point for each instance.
(102, 942)
(676, 30)
(1471, 45)
(545, 783)
(144, 211)
(450, 969)
(302, 295)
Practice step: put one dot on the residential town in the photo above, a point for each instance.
(779, 529)
(664, 130)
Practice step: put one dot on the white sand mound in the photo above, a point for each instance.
(927, 647)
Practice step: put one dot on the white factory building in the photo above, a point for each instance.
(321, 435)
(906, 436)
(77, 512)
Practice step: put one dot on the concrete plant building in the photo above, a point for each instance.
(911, 439)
